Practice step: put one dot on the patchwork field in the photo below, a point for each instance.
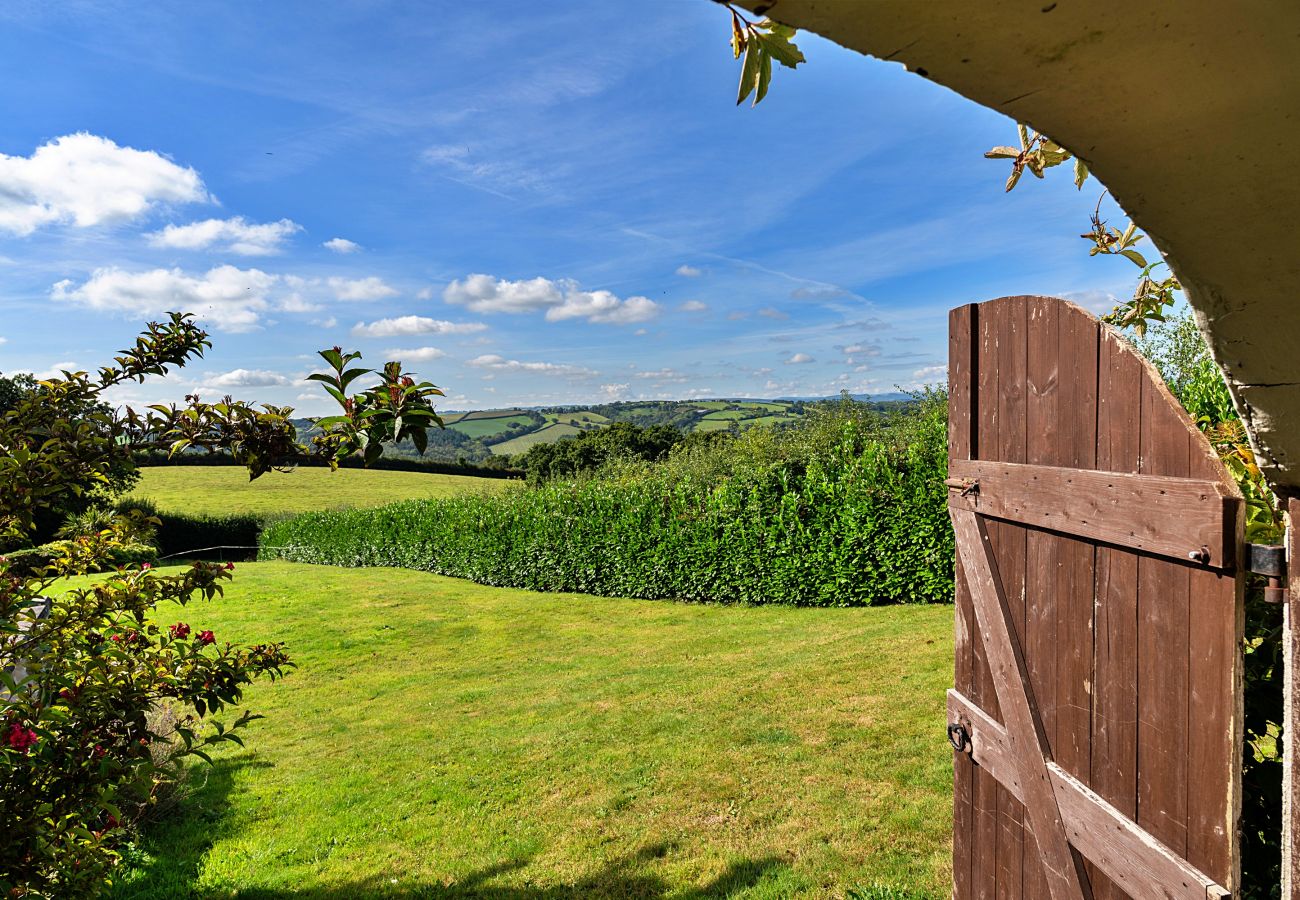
(220, 490)
(541, 436)
(444, 739)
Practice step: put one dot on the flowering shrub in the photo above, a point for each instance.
(86, 672)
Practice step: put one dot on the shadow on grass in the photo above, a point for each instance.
(164, 862)
(174, 848)
(619, 878)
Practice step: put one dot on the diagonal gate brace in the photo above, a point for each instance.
(1025, 736)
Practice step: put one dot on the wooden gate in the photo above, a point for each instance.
(1097, 704)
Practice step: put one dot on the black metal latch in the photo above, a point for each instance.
(1269, 560)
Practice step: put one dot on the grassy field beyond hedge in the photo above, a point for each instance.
(225, 490)
(444, 739)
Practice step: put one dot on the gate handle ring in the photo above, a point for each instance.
(959, 737)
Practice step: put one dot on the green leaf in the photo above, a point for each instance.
(351, 375)
(764, 78)
(1080, 172)
(1135, 257)
(781, 49)
(749, 71)
(333, 357)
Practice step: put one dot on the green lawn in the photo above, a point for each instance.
(218, 490)
(445, 739)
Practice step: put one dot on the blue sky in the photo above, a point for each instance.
(530, 203)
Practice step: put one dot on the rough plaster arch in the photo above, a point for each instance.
(1188, 110)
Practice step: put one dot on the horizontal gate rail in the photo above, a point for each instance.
(1183, 518)
(1114, 843)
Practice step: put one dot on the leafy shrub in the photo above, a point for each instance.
(848, 509)
(193, 537)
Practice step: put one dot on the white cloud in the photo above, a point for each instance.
(235, 235)
(500, 364)
(611, 392)
(931, 374)
(799, 359)
(341, 245)
(361, 289)
(246, 378)
(694, 306)
(88, 180)
(56, 371)
(560, 299)
(413, 354)
(230, 298)
(768, 312)
(663, 375)
(4, 340)
(689, 271)
(408, 325)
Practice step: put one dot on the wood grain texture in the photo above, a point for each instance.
(1167, 516)
(1291, 713)
(1138, 865)
(1026, 740)
(961, 397)
(1093, 489)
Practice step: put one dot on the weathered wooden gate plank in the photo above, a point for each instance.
(1025, 735)
(1138, 865)
(1168, 516)
(1163, 650)
(1044, 588)
(1007, 544)
(1114, 692)
(1291, 712)
(961, 399)
(985, 431)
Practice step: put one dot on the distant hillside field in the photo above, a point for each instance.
(487, 426)
(541, 436)
(222, 490)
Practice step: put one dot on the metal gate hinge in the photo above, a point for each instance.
(1269, 560)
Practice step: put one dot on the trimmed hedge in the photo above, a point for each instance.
(181, 535)
(860, 518)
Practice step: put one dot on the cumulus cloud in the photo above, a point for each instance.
(362, 289)
(89, 180)
(237, 378)
(403, 326)
(497, 363)
(931, 374)
(56, 371)
(799, 359)
(235, 235)
(689, 271)
(561, 300)
(413, 354)
(230, 298)
(694, 306)
(341, 245)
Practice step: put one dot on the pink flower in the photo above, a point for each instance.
(21, 738)
(229, 567)
(180, 630)
(116, 638)
(206, 637)
(146, 565)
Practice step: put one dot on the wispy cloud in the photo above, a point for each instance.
(235, 235)
(403, 326)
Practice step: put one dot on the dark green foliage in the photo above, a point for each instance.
(182, 536)
(590, 450)
(847, 509)
(492, 467)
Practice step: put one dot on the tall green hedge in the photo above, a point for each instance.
(849, 514)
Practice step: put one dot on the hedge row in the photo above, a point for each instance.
(201, 537)
(857, 523)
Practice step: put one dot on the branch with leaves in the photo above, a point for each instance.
(1152, 296)
(760, 43)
